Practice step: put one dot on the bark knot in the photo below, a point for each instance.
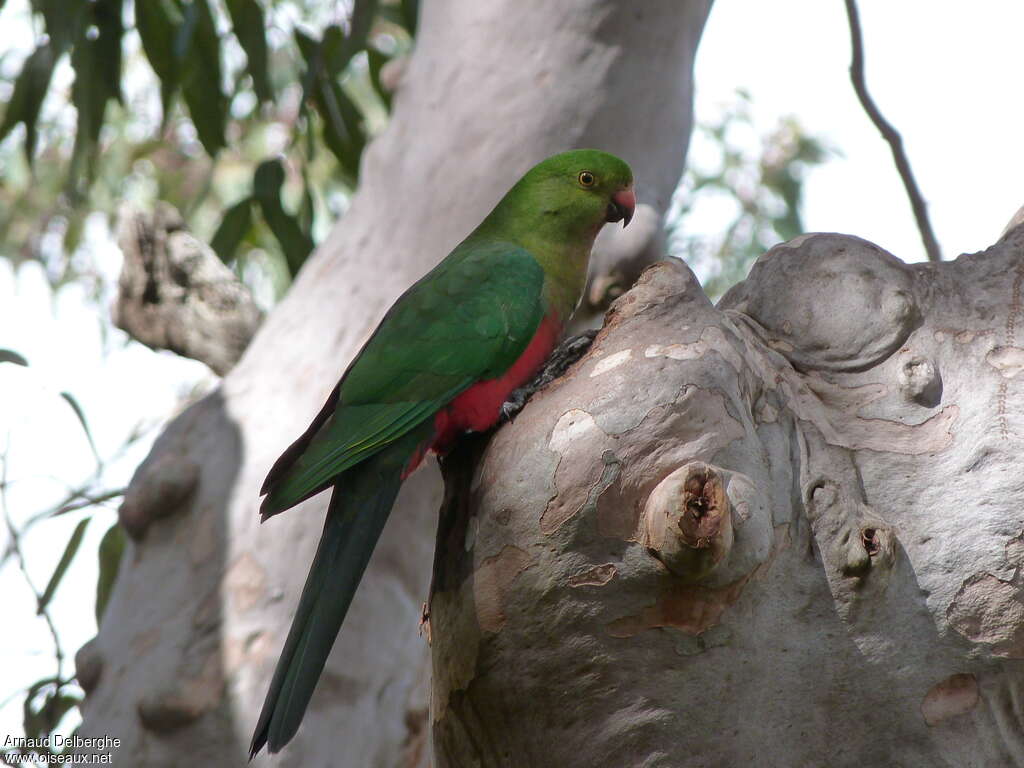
(687, 522)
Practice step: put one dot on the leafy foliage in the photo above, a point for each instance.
(757, 197)
(247, 89)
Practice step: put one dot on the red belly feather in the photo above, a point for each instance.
(479, 407)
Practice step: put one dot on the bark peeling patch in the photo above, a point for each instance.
(575, 480)
(990, 611)
(572, 426)
(677, 351)
(202, 539)
(597, 576)
(1008, 361)
(1014, 550)
(492, 582)
(712, 339)
(245, 582)
(246, 651)
(954, 696)
(610, 362)
(691, 609)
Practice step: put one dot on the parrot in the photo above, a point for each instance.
(441, 363)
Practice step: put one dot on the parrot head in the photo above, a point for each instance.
(570, 196)
(583, 186)
(555, 212)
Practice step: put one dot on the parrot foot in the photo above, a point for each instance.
(565, 355)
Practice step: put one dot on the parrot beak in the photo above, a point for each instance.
(621, 207)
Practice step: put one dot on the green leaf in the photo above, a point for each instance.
(63, 21)
(10, 356)
(403, 15)
(158, 22)
(62, 566)
(376, 61)
(110, 552)
(233, 228)
(29, 91)
(97, 65)
(199, 46)
(295, 243)
(340, 119)
(340, 48)
(342, 130)
(40, 718)
(307, 212)
(410, 15)
(109, 19)
(33, 722)
(85, 425)
(249, 25)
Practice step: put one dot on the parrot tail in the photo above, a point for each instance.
(355, 519)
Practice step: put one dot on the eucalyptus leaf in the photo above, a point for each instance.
(158, 22)
(110, 552)
(296, 244)
(341, 120)
(62, 566)
(199, 46)
(85, 425)
(10, 356)
(249, 27)
(97, 64)
(410, 15)
(376, 61)
(30, 89)
(233, 228)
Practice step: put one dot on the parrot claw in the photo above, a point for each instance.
(565, 355)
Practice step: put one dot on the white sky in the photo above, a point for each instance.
(946, 74)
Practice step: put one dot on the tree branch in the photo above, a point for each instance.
(890, 134)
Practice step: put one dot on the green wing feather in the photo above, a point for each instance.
(467, 320)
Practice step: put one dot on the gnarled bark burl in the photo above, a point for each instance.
(860, 422)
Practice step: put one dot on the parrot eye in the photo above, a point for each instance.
(587, 179)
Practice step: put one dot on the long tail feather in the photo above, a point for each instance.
(355, 519)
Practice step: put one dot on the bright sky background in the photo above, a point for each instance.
(946, 74)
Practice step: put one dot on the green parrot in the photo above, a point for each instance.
(442, 362)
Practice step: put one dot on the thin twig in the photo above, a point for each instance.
(890, 134)
(79, 500)
(19, 555)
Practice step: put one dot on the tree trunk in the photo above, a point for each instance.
(205, 594)
(783, 531)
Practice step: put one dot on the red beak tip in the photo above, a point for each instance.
(625, 199)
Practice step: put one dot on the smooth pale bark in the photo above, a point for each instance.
(862, 605)
(205, 594)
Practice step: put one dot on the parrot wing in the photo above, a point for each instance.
(467, 320)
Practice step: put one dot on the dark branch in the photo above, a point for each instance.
(890, 134)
